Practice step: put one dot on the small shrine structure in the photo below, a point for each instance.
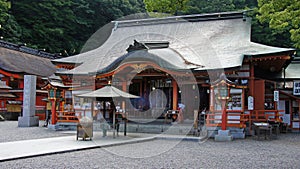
(15, 62)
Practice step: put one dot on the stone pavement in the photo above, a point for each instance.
(46, 146)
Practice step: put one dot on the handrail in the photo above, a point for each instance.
(261, 116)
(66, 116)
(240, 122)
(215, 118)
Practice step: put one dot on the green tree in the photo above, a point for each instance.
(173, 7)
(204, 6)
(283, 16)
(197, 6)
(63, 26)
(9, 28)
(53, 25)
(4, 6)
(108, 10)
(262, 33)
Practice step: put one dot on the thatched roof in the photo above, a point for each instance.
(198, 42)
(19, 62)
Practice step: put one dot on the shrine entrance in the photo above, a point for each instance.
(160, 90)
(156, 96)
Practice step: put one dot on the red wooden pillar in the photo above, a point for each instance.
(62, 102)
(251, 92)
(224, 115)
(21, 84)
(53, 111)
(175, 94)
(276, 105)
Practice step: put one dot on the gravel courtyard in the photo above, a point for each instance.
(283, 152)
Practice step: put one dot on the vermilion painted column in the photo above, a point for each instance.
(251, 92)
(62, 102)
(251, 80)
(224, 115)
(53, 111)
(175, 95)
(21, 84)
(276, 106)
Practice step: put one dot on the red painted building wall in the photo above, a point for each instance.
(17, 89)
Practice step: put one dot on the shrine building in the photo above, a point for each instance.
(189, 60)
(15, 62)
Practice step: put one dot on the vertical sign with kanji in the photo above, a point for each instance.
(250, 103)
(296, 88)
(276, 96)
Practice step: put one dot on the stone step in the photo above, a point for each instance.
(237, 133)
(65, 126)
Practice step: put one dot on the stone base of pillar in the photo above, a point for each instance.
(28, 121)
(223, 135)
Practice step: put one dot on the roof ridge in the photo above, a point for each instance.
(182, 18)
(23, 48)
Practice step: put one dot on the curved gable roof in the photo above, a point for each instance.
(165, 58)
(213, 40)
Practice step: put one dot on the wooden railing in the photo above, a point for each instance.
(67, 117)
(235, 118)
(265, 115)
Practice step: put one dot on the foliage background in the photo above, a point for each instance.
(63, 26)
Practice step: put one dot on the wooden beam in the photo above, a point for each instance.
(14, 75)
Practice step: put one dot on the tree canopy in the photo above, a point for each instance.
(64, 26)
(9, 28)
(166, 6)
(283, 16)
(196, 6)
(4, 6)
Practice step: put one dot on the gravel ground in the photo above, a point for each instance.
(11, 132)
(283, 152)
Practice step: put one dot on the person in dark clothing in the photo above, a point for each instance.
(48, 117)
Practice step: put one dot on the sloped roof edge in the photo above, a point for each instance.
(182, 18)
(14, 61)
(220, 40)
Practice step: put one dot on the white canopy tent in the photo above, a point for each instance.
(108, 92)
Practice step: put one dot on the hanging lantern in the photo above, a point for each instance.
(58, 93)
(51, 93)
(223, 92)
